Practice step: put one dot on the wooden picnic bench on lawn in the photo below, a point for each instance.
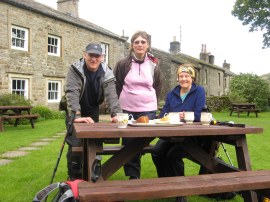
(167, 187)
(244, 107)
(16, 112)
(218, 177)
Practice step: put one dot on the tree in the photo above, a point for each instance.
(257, 14)
(252, 88)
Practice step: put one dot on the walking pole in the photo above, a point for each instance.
(226, 153)
(69, 131)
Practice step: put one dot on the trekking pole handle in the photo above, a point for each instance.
(71, 121)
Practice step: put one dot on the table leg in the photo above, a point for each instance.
(238, 113)
(16, 122)
(1, 124)
(123, 156)
(32, 123)
(243, 160)
(84, 161)
(31, 119)
(207, 160)
(91, 147)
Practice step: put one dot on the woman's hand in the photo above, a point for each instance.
(182, 115)
(84, 120)
(114, 119)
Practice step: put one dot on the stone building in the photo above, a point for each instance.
(38, 43)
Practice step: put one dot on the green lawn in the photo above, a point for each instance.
(23, 178)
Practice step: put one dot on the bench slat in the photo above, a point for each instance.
(17, 117)
(174, 186)
(27, 116)
(108, 150)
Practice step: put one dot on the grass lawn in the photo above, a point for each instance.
(23, 178)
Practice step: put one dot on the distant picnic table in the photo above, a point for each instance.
(244, 107)
(16, 112)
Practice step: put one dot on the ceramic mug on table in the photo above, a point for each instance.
(189, 117)
(206, 118)
(174, 117)
(122, 120)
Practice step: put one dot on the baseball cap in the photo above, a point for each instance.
(186, 68)
(94, 48)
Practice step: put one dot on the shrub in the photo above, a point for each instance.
(235, 97)
(218, 104)
(251, 87)
(14, 100)
(46, 113)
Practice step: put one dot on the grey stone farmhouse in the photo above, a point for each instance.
(38, 43)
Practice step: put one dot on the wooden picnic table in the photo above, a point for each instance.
(244, 107)
(94, 134)
(16, 112)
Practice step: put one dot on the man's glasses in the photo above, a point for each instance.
(137, 42)
(91, 55)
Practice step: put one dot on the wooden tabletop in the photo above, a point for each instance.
(243, 104)
(15, 107)
(110, 130)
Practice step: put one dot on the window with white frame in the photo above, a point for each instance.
(205, 76)
(19, 38)
(105, 51)
(54, 45)
(19, 86)
(54, 90)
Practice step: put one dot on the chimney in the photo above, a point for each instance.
(174, 46)
(212, 59)
(123, 35)
(226, 65)
(204, 55)
(69, 7)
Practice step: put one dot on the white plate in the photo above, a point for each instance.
(158, 121)
(153, 123)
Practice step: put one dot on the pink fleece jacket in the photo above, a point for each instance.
(138, 94)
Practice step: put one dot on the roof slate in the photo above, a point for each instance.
(42, 9)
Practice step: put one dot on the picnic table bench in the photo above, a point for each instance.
(220, 176)
(244, 107)
(16, 112)
(118, 190)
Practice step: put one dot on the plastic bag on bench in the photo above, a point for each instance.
(67, 192)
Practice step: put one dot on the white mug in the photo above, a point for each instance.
(189, 117)
(174, 117)
(122, 120)
(206, 118)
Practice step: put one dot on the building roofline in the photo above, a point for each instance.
(39, 8)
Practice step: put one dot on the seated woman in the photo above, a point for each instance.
(187, 96)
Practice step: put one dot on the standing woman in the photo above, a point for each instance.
(138, 85)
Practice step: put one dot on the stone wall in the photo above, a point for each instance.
(36, 64)
(39, 67)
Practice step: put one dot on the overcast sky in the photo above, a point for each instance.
(202, 22)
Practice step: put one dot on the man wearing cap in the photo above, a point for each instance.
(89, 81)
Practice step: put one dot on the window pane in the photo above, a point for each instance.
(18, 84)
(54, 45)
(19, 87)
(19, 38)
(53, 90)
